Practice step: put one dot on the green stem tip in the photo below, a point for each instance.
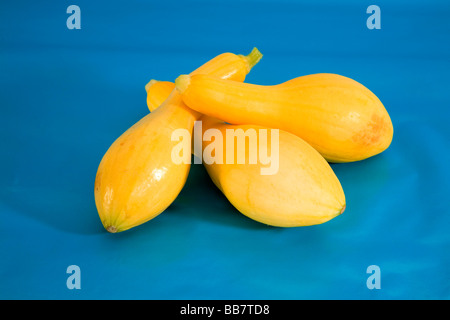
(253, 58)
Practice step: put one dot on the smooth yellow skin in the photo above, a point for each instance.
(225, 66)
(137, 179)
(338, 116)
(305, 191)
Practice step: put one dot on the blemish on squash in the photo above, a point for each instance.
(372, 133)
(111, 229)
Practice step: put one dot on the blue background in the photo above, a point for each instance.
(66, 95)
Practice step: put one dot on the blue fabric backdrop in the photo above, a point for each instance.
(66, 95)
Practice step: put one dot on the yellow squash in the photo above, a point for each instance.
(302, 191)
(338, 116)
(137, 179)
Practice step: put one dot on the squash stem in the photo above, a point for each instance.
(182, 82)
(150, 83)
(253, 58)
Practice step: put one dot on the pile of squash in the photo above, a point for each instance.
(319, 119)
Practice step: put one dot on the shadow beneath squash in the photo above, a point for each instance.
(201, 199)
